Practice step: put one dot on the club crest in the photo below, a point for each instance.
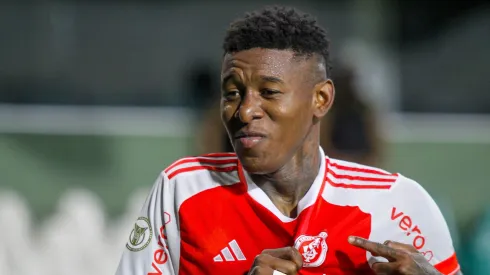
(313, 249)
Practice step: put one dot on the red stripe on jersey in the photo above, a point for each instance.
(357, 186)
(362, 170)
(349, 177)
(200, 161)
(449, 266)
(202, 167)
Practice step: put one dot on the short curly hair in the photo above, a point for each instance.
(282, 28)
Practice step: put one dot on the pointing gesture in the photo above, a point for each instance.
(403, 259)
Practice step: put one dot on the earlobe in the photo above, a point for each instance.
(324, 97)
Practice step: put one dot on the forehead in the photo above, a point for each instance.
(272, 62)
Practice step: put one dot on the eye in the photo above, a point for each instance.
(231, 95)
(269, 92)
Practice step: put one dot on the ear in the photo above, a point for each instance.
(324, 94)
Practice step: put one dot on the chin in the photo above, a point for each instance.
(256, 165)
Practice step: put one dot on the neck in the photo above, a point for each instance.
(290, 183)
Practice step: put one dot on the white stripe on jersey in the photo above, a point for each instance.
(200, 161)
(335, 180)
(342, 172)
(335, 163)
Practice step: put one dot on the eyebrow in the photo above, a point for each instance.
(265, 78)
(226, 79)
(271, 79)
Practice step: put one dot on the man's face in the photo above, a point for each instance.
(267, 106)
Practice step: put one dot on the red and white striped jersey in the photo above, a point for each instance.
(204, 215)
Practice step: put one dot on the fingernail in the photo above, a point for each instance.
(352, 239)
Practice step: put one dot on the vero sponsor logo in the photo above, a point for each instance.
(160, 256)
(406, 224)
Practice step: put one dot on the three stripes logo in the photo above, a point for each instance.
(230, 253)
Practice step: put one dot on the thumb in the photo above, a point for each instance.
(286, 253)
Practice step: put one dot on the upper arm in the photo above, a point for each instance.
(147, 250)
(415, 219)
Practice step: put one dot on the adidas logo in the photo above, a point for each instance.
(235, 254)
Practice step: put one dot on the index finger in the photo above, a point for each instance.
(385, 251)
(401, 246)
(286, 253)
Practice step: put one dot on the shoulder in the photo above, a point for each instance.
(350, 175)
(190, 176)
(195, 165)
(400, 209)
(373, 189)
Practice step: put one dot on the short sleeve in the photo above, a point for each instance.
(146, 250)
(415, 219)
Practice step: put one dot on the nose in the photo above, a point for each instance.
(250, 107)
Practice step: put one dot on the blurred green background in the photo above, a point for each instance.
(42, 167)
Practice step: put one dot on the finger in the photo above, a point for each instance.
(286, 253)
(384, 268)
(274, 263)
(261, 270)
(401, 246)
(375, 248)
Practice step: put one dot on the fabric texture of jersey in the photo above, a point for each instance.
(205, 215)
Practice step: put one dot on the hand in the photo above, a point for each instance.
(403, 259)
(286, 260)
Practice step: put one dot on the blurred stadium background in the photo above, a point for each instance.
(97, 97)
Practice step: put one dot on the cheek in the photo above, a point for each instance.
(227, 112)
(227, 108)
(293, 119)
(295, 112)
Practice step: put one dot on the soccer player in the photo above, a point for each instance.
(280, 205)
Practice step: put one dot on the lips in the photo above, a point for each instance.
(249, 139)
(247, 134)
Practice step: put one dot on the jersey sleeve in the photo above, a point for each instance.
(147, 250)
(409, 215)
